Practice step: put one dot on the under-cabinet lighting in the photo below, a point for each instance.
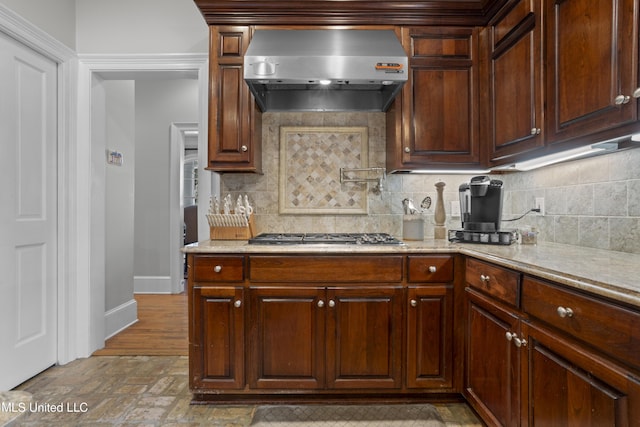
(588, 150)
(448, 171)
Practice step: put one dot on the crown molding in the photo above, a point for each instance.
(28, 34)
(348, 12)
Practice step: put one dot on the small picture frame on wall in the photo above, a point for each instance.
(310, 162)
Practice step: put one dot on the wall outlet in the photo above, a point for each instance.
(540, 205)
(455, 208)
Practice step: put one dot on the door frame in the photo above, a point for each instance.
(90, 306)
(176, 201)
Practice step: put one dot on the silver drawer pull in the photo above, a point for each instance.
(432, 269)
(414, 303)
(332, 303)
(217, 268)
(564, 312)
(484, 278)
(510, 336)
(320, 303)
(237, 303)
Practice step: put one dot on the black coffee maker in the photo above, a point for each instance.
(481, 204)
(481, 213)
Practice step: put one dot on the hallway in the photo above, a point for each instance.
(161, 330)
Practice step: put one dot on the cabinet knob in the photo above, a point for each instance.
(535, 131)
(564, 312)
(519, 342)
(432, 269)
(217, 268)
(332, 303)
(407, 149)
(621, 99)
(237, 303)
(484, 279)
(414, 303)
(636, 93)
(320, 303)
(244, 148)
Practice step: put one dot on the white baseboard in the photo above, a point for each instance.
(120, 318)
(153, 285)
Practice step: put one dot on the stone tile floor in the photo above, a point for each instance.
(149, 391)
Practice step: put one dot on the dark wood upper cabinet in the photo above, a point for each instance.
(490, 81)
(235, 122)
(434, 122)
(591, 66)
(512, 79)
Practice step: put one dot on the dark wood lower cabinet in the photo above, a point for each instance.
(364, 338)
(317, 338)
(430, 346)
(568, 385)
(268, 327)
(492, 379)
(287, 338)
(217, 338)
(532, 352)
(521, 372)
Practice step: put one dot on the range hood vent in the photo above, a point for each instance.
(325, 70)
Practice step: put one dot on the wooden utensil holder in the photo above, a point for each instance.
(225, 232)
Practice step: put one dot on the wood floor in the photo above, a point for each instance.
(162, 329)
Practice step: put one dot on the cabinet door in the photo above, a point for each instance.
(492, 370)
(287, 338)
(216, 350)
(233, 115)
(568, 386)
(364, 333)
(439, 114)
(591, 60)
(430, 337)
(515, 88)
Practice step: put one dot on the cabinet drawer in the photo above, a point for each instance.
(498, 282)
(218, 268)
(433, 268)
(335, 269)
(610, 328)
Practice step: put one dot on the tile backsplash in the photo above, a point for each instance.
(592, 202)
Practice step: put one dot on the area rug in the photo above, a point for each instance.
(410, 415)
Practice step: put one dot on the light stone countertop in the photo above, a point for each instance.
(615, 275)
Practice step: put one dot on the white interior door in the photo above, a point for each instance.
(28, 203)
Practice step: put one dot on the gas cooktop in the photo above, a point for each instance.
(325, 238)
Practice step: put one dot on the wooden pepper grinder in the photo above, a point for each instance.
(440, 231)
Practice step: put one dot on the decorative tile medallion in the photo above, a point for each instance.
(310, 162)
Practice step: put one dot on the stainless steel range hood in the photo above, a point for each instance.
(325, 70)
